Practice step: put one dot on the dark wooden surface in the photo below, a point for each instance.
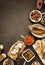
(14, 21)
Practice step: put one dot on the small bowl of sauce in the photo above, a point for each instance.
(29, 40)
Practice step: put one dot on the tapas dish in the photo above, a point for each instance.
(16, 49)
(35, 16)
(35, 63)
(37, 30)
(29, 40)
(8, 62)
(39, 47)
(28, 55)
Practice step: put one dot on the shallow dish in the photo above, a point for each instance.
(35, 16)
(43, 18)
(29, 54)
(37, 30)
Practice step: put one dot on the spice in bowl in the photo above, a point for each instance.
(29, 40)
(28, 55)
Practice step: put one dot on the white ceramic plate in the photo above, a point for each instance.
(30, 28)
(40, 55)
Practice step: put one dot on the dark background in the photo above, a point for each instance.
(14, 21)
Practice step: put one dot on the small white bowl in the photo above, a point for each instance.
(7, 60)
(34, 20)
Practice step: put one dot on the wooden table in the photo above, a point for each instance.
(14, 21)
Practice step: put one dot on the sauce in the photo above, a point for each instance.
(29, 40)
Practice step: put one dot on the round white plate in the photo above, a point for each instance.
(34, 20)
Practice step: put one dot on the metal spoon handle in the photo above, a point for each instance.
(24, 63)
(22, 36)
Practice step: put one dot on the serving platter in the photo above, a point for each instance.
(39, 47)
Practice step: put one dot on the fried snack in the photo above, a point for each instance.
(38, 29)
